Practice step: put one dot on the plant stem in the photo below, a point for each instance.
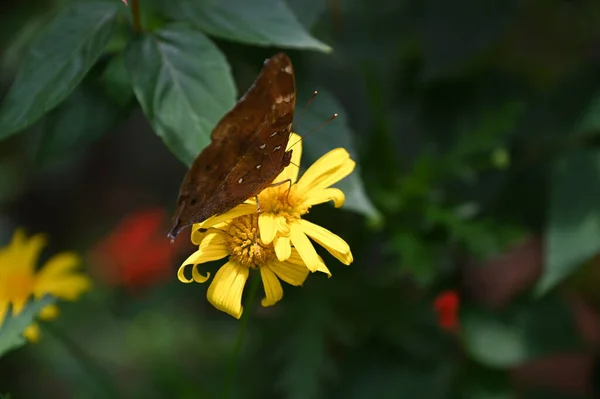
(135, 13)
(90, 367)
(235, 357)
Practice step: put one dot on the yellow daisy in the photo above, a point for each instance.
(276, 241)
(19, 279)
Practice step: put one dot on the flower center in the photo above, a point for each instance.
(282, 200)
(244, 242)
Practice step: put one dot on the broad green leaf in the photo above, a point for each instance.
(259, 22)
(308, 12)
(12, 329)
(56, 62)
(573, 230)
(117, 83)
(335, 134)
(184, 85)
(83, 118)
(523, 332)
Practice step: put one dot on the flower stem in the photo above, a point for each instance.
(135, 13)
(235, 358)
(89, 366)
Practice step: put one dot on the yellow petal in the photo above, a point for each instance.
(267, 227)
(32, 333)
(68, 287)
(27, 250)
(283, 248)
(305, 248)
(331, 242)
(225, 291)
(196, 275)
(273, 290)
(18, 304)
(316, 196)
(213, 247)
(297, 260)
(57, 277)
(327, 170)
(282, 225)
(240, 210)
(59, 264)
(291, 171)
(291, 273)
(49, 312)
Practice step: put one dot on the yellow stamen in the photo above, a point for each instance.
(245, 245)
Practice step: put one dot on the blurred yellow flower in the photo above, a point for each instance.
(276, 240)
(19, 279)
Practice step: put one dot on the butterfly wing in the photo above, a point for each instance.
(247, 150)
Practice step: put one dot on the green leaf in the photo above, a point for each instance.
(259, 22)
(573, 217)
(12, 329)
(308, 12)
(523, 332)
(83, 118)
(117, 83)
(335, 134)
(184, 85)
(56, 62)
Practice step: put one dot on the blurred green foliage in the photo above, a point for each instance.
(475, 129)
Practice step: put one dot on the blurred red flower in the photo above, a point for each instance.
(137, 253)
(446, 305)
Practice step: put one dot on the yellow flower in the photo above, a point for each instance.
(276, 241)
(19, 279)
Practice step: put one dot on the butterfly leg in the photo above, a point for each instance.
(257, 204)
(289, 181)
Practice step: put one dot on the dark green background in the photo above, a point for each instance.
(475, 128)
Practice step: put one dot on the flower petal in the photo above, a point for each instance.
(267, 227)
(297, 260)
(225, 291)
(196, 275)
(240, 210)
(283, 248)
(315, 197)
(27, 250)
(212, 247)
(58, 278)
(331, 242)
(282, 225)
(305, 249)
(273, 289)
(59, 264)
(291, 171)
(327, 170)
(291, 273)
(69, 287)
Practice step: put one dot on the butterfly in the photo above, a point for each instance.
(247, 150)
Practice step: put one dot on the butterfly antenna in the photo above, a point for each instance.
(310, 100)
(316, 129)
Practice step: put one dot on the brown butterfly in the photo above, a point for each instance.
(247, 149)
